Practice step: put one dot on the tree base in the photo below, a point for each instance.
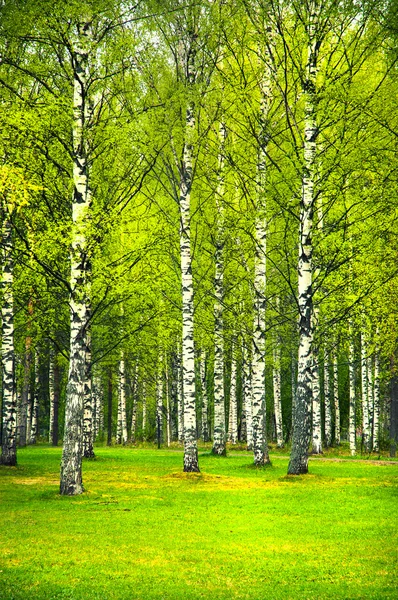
(219, 450)
(72, 489)
(8, 460)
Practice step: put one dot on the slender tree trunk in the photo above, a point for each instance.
(121, 437)
(294, 389)
(248, 401)
(352, 408)
(72, 453)
(134, 399)
(233, 403)
(316, 406)
(57, 393)
(328, 404)
(302, 418)
(370, 400)
(191, 463)
(365, 406)
(9, 414)
(143, 411)
(159, 403)
(168, 412)
(35, 403)
(23, 427)
(336, 401)
(110, 397)
(180, 400)
(219, 433)
(277, 388)
(376, 422)
(88, 429)
(205, 399)
(260, 446)
(51, 395)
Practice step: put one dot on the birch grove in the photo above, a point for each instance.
(225, 195)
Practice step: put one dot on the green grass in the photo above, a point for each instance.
(144, 530)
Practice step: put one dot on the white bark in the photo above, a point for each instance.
(168, 412)
(159, 402)
(277, 389)
(260, 446)
(121, 437)
(191, 464)
(316, 407)
(336, 401)
(219, 434)
(248, 401)
(352, 399)
(365, 406)
(88, 430)
(35, 404)
(205, 400)
(51, 395)
(328, 404)
(302, 422)
(370, 399)
(233, 404)
(376, 421)
(71, 463)
(134, 395)
(9, 440)
(180, 400)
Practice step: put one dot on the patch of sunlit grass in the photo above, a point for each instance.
(143, 529)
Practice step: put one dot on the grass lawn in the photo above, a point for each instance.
(144, 530)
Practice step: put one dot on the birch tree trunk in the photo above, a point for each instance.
(168, 412)
(23, 426)
(88, 429)
(121, 437)
(376, 408)
(9, 413)
(328, 409)
(233, 404)
(134, 395)
(276, 380)
(71, 463)
(159, 403)
(191, 463)
(370, 399)
(352, 407)
(365, 406)
(336, 401)
(109, 402)
(316, 407)
(248, 401)
(180, 400)
(51, 395)
(205, 400)
(35, 403)
(302, 418)
(260, 446)
(219, 433)
(57, 393)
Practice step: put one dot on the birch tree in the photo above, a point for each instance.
(302, 428)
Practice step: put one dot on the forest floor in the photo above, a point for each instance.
(145, 530)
